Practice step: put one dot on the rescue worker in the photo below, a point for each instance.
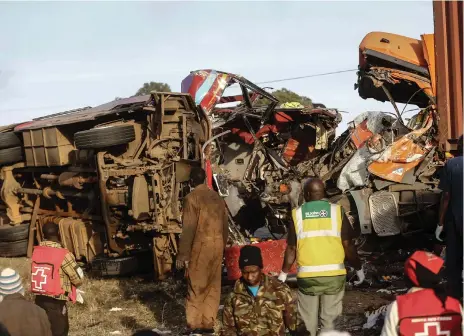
(319, 239)
(259, 304)
(19, 316)
(425, 309)
(451, 220)
(201, 248)
(55, 276)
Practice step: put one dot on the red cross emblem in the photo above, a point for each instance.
(42, 278)
(433, 329)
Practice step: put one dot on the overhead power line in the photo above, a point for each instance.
(265, 82)
(307, 76)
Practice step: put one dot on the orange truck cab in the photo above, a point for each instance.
(426, 72)
(401, 65)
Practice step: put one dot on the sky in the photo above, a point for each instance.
(56, 56)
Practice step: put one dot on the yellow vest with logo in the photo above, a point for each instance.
(319, 245)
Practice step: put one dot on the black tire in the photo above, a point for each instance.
(115, 266)
(104, 137)
(9, 140)
(11, 155)
(13, 249)
(9, 233)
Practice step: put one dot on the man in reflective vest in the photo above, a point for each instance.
(54, 278)
(425, 309)
(319, 239)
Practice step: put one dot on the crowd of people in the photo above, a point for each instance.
(319, 242)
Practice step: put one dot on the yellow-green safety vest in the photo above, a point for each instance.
(319, 245)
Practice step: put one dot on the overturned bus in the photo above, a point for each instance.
(112, 177)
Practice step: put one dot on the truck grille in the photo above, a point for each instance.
(384, 214)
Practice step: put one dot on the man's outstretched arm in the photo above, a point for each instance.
(351, 254)
(348, 234)
(444, 204)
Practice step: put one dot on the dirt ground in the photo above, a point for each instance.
(146, 304)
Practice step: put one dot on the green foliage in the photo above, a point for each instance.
(287, 96)
(153, 86)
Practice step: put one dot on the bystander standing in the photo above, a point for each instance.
(19, 316)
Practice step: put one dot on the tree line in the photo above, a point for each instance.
(283, 95)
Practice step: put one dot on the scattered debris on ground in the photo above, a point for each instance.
(375, 318)
(130, 304)
(162, 332)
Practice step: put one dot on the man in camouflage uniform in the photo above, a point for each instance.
(259, 305)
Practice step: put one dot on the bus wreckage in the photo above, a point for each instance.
(113, 177)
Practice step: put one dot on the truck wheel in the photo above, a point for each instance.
(11, 155)
(104, 137)
(13, 249)
(10, 233)
(115, 266)
(9, 140)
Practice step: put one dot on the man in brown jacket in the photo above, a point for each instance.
(201, 246)
(19, 316)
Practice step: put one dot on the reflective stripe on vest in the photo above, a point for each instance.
(321, 268)
(319, 246)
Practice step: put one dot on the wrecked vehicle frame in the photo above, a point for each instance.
(112, 200)
(112, 177)
(256, 147)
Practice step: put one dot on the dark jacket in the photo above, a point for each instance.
(22, 317)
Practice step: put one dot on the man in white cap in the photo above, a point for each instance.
(19, 316)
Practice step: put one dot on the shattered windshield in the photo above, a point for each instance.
(208, 88)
